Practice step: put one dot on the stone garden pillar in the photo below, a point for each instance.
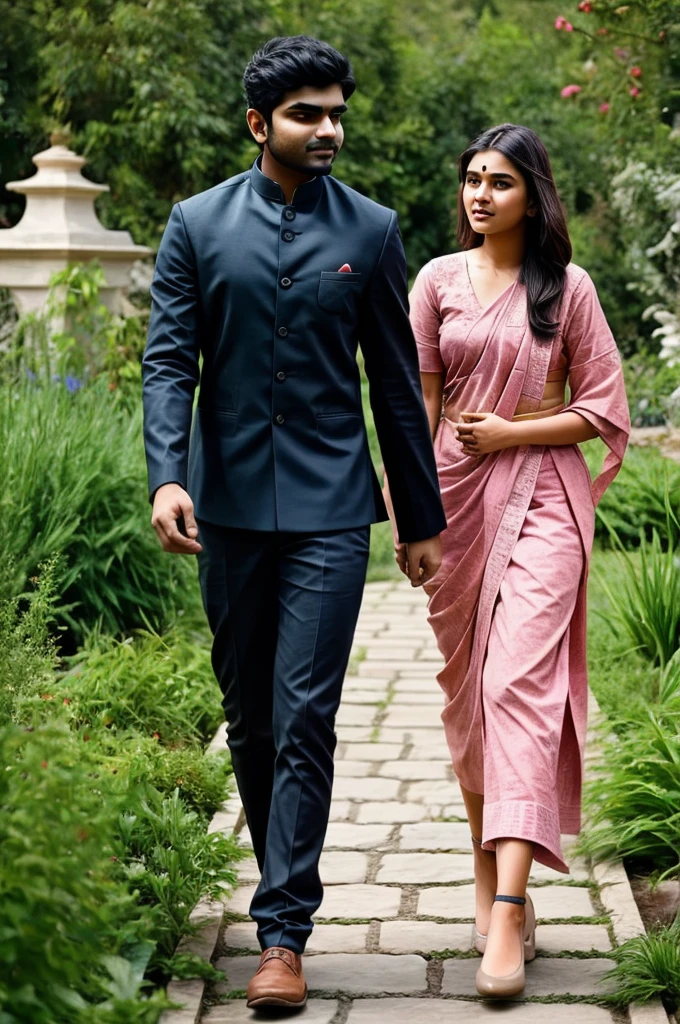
(60, 226)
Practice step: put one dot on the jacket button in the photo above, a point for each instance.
(280, 419)
(282, 332)
(286, 282)
(288, 236)
(280, 376)
(289, 214)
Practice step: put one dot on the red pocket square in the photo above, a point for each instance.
(345, 269)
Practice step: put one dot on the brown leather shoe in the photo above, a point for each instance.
(279, 980)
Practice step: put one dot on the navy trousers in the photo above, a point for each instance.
(283, 608)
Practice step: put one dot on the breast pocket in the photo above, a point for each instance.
(339, 293)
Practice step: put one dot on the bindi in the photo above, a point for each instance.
(483, 167)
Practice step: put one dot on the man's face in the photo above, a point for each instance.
(305, 133)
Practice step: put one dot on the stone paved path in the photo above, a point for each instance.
(392, 938)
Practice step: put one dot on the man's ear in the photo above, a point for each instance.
(257, 125)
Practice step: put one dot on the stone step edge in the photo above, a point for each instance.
(208, 915)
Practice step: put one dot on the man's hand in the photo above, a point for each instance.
(420, 560)
(173, 507)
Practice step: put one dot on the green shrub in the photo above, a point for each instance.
(27, 658)
(636, 501)
(650, 381)
(63, 906)
(201, 780)
(647, 967)
(646, 606)
(633, 799)
(163, 687)
(173, 862)
(74, 485)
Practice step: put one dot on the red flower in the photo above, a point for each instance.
(634, 91)
(156, 735)
(46, 696)
(562, 23)
(67, 700)
(570, 90)
(636, 72)
(585, 6)
(603, 31)
(86, 738)
(43, 764)
(605, 108)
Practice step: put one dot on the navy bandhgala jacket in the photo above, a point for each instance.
(253, 286)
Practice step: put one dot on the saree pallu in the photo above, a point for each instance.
(508, 605)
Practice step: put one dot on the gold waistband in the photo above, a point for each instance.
(540, 414)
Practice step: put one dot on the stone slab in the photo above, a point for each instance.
(366, 788)
(346, 867)
(317, 1011)
(414, 771)
(426, 696)
(617, 897)
(453, 1011)
(373, 686)
(356, 714)
(348, 836)
(430, 792)
(339, 810)
(359, 901)
(391, 812)
(551, 902)
(427, 752)
(572, 938)
(417, 716)
(360, 695)
(354, 733)
(346, 973)
(366, 974)
(352, 769)
(188, 993)
(423, 937)
(435, 835)
(373, 751)
(421, 868)
(545, 977)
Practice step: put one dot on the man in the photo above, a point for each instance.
(273, 277)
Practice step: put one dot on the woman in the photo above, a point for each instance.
(501, 327)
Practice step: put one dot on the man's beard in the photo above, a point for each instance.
(286, 161)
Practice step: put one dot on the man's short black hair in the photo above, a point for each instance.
(287, 63)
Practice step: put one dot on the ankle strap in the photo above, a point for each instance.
(475, 840)
(519, 900)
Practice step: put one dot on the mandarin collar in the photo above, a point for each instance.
(270, 189)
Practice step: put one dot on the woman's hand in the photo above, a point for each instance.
(483, 432)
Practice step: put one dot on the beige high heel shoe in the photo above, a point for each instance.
(512, 984)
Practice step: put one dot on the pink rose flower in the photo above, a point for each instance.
(585, 6)
(605, 108)
(635, 92)
(560, 22)
(636, 72)
(570, 90)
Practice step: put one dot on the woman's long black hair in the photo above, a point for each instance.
(548, 248)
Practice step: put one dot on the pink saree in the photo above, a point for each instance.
(508, 603)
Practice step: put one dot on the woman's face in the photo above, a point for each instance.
(495, 194)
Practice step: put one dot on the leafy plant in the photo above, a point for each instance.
(638, 499)
(201, 780)
(63, 905)
(647, 607)
(74, 484)
(173, 862)
(161, 686)
(648, 966)
(27, 655)
(633, 800)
